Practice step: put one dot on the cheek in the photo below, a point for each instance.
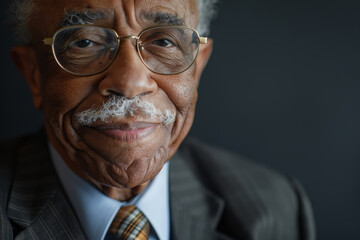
(182, 91)
(184, 95)
(61, 96)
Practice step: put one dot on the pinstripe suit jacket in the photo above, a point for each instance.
(213, 195)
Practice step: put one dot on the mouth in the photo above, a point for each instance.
(126, 131)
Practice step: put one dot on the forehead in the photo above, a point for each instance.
(117, 12)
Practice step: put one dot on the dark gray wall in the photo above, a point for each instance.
(282, 88)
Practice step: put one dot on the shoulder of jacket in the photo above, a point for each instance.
(224, 168)
(10, 148)
(225, 160)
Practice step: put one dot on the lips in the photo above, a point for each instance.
(126, 131)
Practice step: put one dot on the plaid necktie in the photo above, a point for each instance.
(130, 224)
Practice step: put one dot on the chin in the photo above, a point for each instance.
(116, 158)
(120, 158)
(125, 170)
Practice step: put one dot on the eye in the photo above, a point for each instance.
(83, 43)
(163, 43)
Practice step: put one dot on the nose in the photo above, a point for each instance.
(127, 76)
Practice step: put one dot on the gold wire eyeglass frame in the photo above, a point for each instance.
(50, 41)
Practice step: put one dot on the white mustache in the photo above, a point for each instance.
(119, 107)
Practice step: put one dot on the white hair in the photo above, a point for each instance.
(120, 107)
(20, 12)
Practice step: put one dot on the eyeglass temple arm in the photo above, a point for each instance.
(47, 41)
(203, 40)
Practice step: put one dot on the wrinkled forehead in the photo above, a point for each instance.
(53, 14)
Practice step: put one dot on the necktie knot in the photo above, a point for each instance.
(130, 224)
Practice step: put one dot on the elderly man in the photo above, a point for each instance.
(117, 83)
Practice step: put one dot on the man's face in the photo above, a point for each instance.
(118, 151)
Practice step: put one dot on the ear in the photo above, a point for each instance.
(202, 58)
(24, 58)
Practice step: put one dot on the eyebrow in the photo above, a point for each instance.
(163, 18)
(87, 16)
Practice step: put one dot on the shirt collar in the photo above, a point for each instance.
(96, 211)
(154, 203)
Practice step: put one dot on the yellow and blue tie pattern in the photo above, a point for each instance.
(130, 224)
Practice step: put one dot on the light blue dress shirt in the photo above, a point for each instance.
(96, 211)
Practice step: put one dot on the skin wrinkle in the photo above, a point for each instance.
(113, 165)
(131, 14)
(97, 171)
(89, 16)
(109, 164)
(114, 170)
(68, 136)
(73, 133)
(181, 113)
(117, 167)
(163, 18)
(89, 161)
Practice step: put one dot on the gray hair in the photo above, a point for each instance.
(20, 11)
(207, 11)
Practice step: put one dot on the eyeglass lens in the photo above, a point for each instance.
(87, 50)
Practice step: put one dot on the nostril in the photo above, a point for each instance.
(108, 92)
(115, 93)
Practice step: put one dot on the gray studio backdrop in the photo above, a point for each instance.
(282, 88)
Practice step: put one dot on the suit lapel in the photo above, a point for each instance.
(57, 221)
(7, 164)
(195, 211)
(38, 205)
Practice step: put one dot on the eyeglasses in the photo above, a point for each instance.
(87, 50)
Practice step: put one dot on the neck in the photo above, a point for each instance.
(124, 194)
